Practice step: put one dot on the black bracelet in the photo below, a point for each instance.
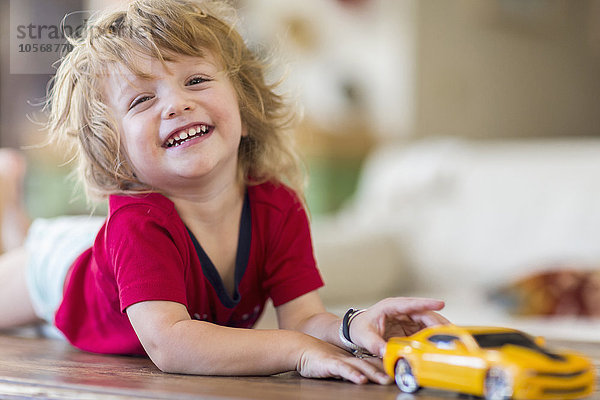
(348, 317)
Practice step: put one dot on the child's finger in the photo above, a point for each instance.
(408, 305)
(430, 319)
(347, 371)
(374, 372)
(373, 342)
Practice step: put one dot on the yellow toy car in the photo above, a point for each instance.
(495, 363)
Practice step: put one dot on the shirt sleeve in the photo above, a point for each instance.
(145, 256)
(291, 268)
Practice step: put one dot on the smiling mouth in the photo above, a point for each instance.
(186, 135)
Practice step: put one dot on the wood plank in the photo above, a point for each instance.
(55, 370)
(52, 369)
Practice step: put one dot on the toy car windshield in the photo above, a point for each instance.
(491, 340)
(487, 340)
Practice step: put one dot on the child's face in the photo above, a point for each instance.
(182, 126)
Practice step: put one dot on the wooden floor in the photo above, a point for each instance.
(52, 369)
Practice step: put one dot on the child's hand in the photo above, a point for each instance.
(323, 360)
(399, 316)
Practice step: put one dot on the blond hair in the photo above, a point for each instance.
(79, 116)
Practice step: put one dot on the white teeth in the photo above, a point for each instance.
(180, 137)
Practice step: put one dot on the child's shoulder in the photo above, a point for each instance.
(144, 202)
(274, 194)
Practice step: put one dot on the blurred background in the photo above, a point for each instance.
(452, 146)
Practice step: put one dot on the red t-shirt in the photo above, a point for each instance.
(144, 252)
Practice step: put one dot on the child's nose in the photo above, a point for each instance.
(175, 107)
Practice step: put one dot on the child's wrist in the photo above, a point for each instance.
(346, 321)
(344, 333)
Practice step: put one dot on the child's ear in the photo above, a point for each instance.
(244, 130)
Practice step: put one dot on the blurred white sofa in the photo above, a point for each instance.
(455, 219)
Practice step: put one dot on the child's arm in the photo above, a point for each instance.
(399, 316)
(178, 344)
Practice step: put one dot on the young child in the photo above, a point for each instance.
(172, 120)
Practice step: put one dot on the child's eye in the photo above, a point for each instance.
(139, 100)
(196, 80)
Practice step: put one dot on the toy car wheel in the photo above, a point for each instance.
(497, 385)
(404, 377)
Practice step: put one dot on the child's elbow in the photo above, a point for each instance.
(165, 361)
(173, 359)
(172, 350)
(166, 367)
(173, 364)
(162, 355)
